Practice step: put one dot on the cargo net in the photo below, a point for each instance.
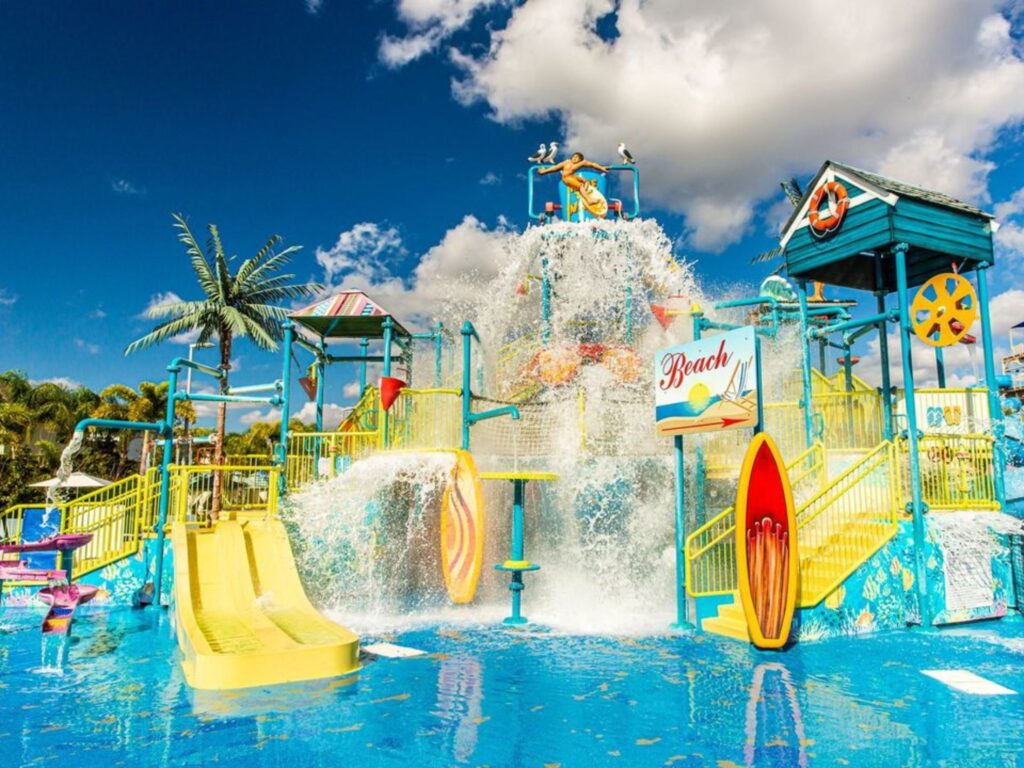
(567, 424)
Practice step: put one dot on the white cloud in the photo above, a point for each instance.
(361, 249)
(719, 101)
(429, 23)
(125, 187)
(1010, 237)
(60, 381)
(468, 255)
(158, 300)
(490, 178)
(333, 415)
(87, 347)
(7, 298)
(314, 6)
(351, 390)
(97, 314)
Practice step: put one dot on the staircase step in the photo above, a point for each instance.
(727, 626)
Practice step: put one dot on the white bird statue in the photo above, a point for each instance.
(538, 156)
(625, 154)
(552, 153)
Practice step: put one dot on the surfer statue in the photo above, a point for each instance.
(586, 189)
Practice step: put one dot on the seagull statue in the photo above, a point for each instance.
(625, 154)
(538, 156)
(552, 153)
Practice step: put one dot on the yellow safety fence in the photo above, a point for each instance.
(123, 514)
(950, 411)
(711, 549)
(846, 522)
(419, 419)
(956, 471)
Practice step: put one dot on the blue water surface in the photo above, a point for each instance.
(496, 697)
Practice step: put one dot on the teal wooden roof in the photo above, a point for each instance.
(939, 229)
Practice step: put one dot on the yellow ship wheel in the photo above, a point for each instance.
(944, 310)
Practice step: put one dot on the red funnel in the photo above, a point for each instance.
(308, 386)
(661, 315)
(389, 389)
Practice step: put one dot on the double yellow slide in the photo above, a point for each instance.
(243, 618)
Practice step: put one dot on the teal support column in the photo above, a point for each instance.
(467, 363)
(822, 361)
(286, 388)
(806, 343)
(883, 354)
(940, 367)
(389, 332)
(438, 352)
(917, 506)
(364, 350)
(847, 368)
(698, 459)
(320, 371)
(165, 484)
(995, 411)
(681, 619)
(518, 537)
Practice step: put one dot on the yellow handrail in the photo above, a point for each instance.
(711, 549)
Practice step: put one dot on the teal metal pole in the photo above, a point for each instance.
(320, 371)
(917, 506)
(438, 351)
(165, 483)
(847, 368)
(467, 355)
(286, 388)
(806, 342)
(995, 411)
(364, 348)
(698, 317)
(518, 536)
(883, 353)
(389, 330)
(681, 620)
(940, 367)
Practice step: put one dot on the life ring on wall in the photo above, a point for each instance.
(838, 201)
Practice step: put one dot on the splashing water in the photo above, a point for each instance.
(55, 495)
(603, 533)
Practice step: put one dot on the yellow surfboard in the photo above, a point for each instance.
(766, 554)
(462, 530)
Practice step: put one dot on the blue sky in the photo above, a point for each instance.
(309, 118)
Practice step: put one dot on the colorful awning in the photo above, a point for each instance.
(346, 315)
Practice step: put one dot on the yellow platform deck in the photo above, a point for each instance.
(243, 618)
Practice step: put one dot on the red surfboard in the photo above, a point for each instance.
(766, 553)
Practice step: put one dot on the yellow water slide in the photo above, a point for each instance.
(243, 618)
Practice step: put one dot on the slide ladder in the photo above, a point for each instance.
(243, 617)
(838, 529)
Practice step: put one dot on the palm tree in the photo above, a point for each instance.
(240, 305)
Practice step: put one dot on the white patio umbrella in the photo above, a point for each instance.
(75, 480)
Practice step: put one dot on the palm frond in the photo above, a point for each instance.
(273, 264)
(199, 263)
(251, 264)
(167, 330)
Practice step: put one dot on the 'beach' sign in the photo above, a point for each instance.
(707, 385)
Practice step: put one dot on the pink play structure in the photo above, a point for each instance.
(60, 594)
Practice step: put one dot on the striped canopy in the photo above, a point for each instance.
(346, 315)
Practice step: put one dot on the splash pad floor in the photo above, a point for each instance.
(484, 696)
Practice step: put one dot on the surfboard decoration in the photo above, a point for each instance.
(462, 530)
(766, 555)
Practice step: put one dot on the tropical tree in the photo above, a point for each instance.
(236, 305)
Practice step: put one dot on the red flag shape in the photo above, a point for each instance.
(389, 389)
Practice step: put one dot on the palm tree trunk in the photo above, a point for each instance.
(222, 412)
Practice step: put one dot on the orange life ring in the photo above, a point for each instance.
(838, 203)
